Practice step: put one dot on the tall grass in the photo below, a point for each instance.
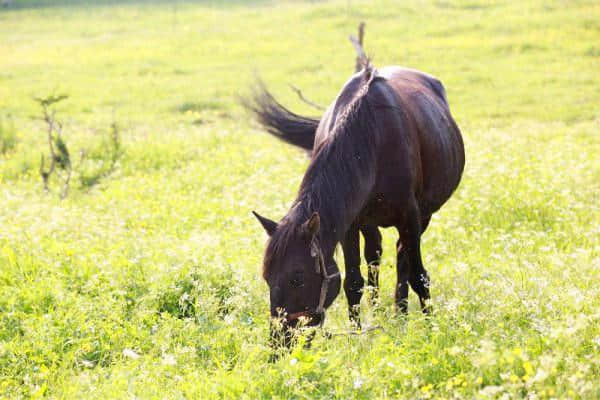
(148, 284)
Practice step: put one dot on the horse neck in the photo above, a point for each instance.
(338, 201)
(341, 175)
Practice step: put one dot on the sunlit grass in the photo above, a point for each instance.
(148, 283)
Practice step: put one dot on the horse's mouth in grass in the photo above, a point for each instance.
(284, 332)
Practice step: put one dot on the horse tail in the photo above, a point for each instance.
(279, 121)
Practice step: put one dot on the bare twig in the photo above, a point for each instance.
(49, 119)
(361, 57)
(305, 100)
(361, 32)
(45, 174)
(312, 332)
(82, 158)
(363, 331)
(65, 190)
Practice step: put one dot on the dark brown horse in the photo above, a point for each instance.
(386, 152)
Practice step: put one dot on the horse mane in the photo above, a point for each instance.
(338, 169)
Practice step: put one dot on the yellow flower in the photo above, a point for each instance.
(528, 368)
(427, 388)
(479, 380)
(517, 351)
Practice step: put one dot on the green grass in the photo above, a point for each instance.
(147, 283)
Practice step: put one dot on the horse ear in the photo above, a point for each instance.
(311, 227)
(270, 226)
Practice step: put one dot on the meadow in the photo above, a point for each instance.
(145, 282)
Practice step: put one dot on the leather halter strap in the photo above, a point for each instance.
(315, 251)
(299, 314)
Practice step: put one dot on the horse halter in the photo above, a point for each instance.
(320, 268)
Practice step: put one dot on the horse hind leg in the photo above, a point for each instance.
(410, 269)
(373, 253)
(418, 277)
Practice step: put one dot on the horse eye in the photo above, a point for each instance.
(297, 281)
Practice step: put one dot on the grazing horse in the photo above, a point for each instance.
(386, 153)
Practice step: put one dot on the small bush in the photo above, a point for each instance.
(190, 106)
(179, 300)
(199, 291)
(101, 161)
(8, 136)
(59, 152)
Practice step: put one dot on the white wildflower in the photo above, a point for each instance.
(130, 354)
(358, 382)
(491, 390)
(169, 359)
(455, 350)
(229, 319)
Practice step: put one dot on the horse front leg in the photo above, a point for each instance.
(353, 282)
(373, 253)
(402, 273)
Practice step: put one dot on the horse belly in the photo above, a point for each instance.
(441, 151)
(442, 166)
(380, 211)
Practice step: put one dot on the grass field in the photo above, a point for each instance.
(145, 283)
